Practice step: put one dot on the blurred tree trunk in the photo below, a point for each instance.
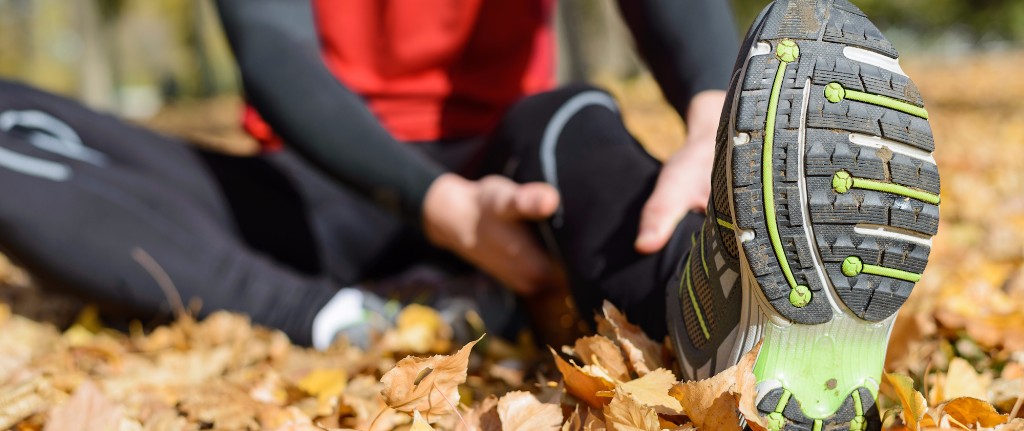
(594, 42)
(96, 83)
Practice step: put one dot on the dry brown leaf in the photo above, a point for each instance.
(581, 385)
(324, 384)
(966, 411)
(429, 385)
(599, 350)
(643, 353)
(625, 414)
(574, 423)
(418, 424)
(521, 411)
(718, 402)
(901, 388)
(87, 410)
(593, 422)
(651, 390)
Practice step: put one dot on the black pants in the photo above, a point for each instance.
(272, 237)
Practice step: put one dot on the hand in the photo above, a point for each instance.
(484, 222)
(685, 181)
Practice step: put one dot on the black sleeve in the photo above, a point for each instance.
(277, 49)
(690, 45)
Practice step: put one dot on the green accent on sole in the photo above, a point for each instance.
(821, 365)
(800, 296)
(693, 301)
(835, 93)
(776, 421)
(783, 401)
(853, 266)
(858, 423)
(787, 52)
(842, 182)
(725, 224)
(703, 260)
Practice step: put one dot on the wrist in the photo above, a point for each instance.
(703, 115)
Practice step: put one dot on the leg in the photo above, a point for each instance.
(78, 224)
(65, 125)
(574, 139)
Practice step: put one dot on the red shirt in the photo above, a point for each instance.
(435, 69)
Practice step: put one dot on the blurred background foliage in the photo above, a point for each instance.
(135, 56)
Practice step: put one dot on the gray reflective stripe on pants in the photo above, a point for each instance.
(47, 133)
(53, 135)
(554, 129)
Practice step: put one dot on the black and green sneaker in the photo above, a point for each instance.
(825, 198)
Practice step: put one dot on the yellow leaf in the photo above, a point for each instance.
(716, 403)
(599, 350)
(651, 390)
(625, 414)
(324, 384)
(643, 353)
(521, 411)
(418, 424)
(429, 385)
(901, 388)
(419, 329)
(963, 381)
(970, 412)
(581, 385)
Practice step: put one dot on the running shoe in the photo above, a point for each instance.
(825, 199)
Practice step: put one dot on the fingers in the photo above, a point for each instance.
(516, 202)
(658, 219)
(536, 201)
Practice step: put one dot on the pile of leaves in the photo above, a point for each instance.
(223, 373)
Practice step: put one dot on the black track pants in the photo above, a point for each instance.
(88, 196)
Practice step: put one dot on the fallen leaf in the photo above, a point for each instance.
(963, 381)
(599, 350)
(901, 388)
(87, 410)
(969, 412)
(592, 422)
(418, 424)
(574, 423)
(651, 390)
(521, 411)
(581, 385)
(625, 414)
(429, 385)
(718, 402)
(419, 329)
(324, 384)
(643, 353)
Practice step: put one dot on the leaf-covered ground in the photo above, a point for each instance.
(956, 357)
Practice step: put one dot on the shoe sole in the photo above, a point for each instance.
(835, 197)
